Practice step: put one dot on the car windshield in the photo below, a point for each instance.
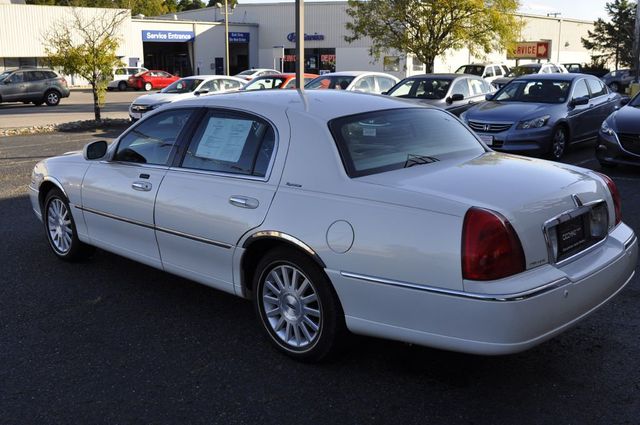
(425, 88)
(471, 69)
(523, 70)
(635, 101)
(185, 85)
(5, 75)
(618, 73)
(264, 83)
(248, 72)
(331, 82)
(375, 142)
(538, 91)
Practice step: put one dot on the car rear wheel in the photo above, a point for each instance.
(615, 87)
(297, 306)
(52, 98)
(61, 229)
(559, 142)
(147, 86)
(122, 86)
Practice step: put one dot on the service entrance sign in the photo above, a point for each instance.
(531, 50)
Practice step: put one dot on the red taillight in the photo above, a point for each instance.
(490, 247)
(615, 195)
(63, 81)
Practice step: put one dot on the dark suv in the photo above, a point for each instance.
(32, 85)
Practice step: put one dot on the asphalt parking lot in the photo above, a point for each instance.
(78, 106)
(115, 342)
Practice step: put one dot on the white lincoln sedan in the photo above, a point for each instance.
(338, 212)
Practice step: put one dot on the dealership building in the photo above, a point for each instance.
(260, 36)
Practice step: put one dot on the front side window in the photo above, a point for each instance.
(375, 142)
(121, 71)
(231, 84)
(597, 88)
(403, 89)
(580, 90)
(461, 87)
(18, 77)
(477, 87)
(154, 139)
(230, 142)
(498, 71)
(489, 72)
(365, 84)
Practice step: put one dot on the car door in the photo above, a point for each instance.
(221, 189)
(601, 102)
(118, 195)
(460, 86)
(14, 87)
(36, 85)
(579, 115)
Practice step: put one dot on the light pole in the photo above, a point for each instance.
(226, 14)
(300, 44)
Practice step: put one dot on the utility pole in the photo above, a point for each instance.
(300, 44)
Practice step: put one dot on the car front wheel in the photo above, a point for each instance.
(559, 142)
(61, 229)
(52, 98)
(147, 86)
(122, 86)
(297, 306)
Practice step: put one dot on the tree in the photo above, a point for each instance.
(428, 28)
(190, 5)
(86, 45)
(614, 39)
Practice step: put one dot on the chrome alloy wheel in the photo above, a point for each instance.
(59, 226)
(558, 143)
(53, 98)
(291, 306)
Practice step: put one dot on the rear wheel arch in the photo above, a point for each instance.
(258, 245)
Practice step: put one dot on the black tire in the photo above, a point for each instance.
(147, 86)
(615, 87)
(122, 85)
(559, 143)
(53, 223)
(52, 98)
(327, 339)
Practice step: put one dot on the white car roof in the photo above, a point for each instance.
(324, 104)
(214, 77)
(356, 74)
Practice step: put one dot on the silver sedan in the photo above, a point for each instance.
(338, 212)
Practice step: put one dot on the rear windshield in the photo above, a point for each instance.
(375, 142)
(471, 69)
(333, 82)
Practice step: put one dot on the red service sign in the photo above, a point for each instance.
(531, 50)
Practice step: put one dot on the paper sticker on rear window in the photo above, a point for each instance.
(224, 139)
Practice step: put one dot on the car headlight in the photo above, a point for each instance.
(534, 123)
(606, 129)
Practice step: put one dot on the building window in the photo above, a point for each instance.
(317, 61)
(417, 65)
(391, 63)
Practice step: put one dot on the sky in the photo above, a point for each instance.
(579, 9)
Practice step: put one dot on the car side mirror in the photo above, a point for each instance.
(624, 100)
(203, 91)
(455, 98)
(95, 150)
(584, 100)
(488, 97)
(386, 93)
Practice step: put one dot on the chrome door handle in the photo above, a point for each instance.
(141, 186)
(244, 202)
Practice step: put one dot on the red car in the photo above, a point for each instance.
(151, 79)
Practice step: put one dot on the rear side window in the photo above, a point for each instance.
(375, 142)
(385, 83)
(35, 76)
(230, 142)
(489, 72)
(50, 74)
(153, 140)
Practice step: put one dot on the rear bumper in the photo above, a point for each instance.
(492, 324)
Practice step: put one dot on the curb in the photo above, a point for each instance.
(67, 127)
